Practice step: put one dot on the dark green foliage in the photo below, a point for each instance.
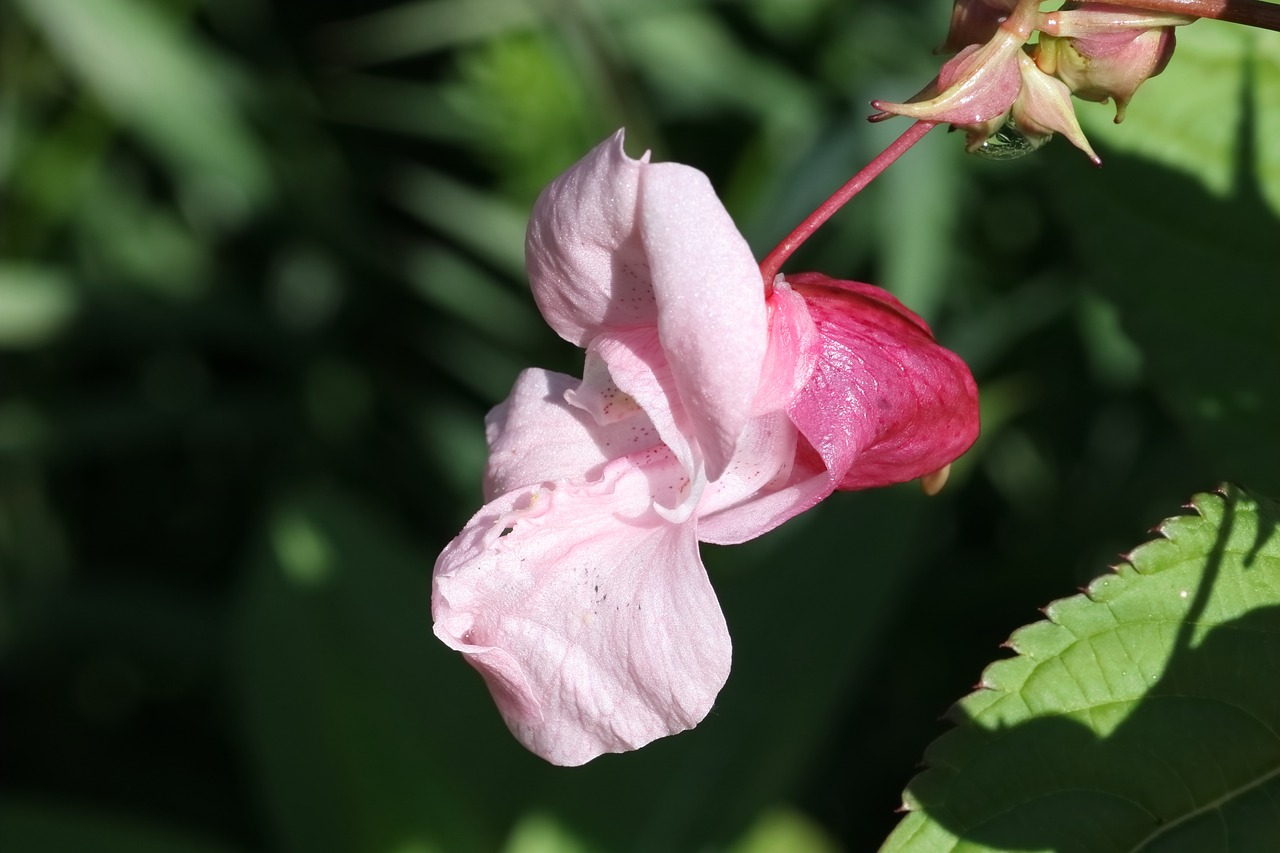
(261, 277)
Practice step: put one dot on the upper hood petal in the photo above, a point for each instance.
(587, 267)
(616, 244)
(711, 308)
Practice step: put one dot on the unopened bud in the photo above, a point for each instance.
(975, 22)
(1103, 51)
(1044, 107)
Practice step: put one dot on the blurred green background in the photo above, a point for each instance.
(261, 277)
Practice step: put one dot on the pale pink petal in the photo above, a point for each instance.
(885, 403)
(808, 484)
(535, 435)
(774, 476)
(587, 267)
(634, 363)
(591, 618)
(711, 311)
(792, 350)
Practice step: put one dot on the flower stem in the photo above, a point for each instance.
(773, 262)
(1252, 13)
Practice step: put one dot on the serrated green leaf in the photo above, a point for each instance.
(1222, 82)
(1142, 715)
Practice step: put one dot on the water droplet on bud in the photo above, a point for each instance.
(1009, 143)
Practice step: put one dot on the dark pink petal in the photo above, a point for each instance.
(885, 403)
(711, 313)
(590, 617)
(587, 267)
(536, 435)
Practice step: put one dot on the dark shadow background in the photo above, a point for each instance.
(256, 298)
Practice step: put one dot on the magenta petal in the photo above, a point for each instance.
(535, 435)
(885, 403)
(590, 618)
(587, 267)
(711, 311)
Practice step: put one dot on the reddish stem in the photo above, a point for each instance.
(1252, 13)
(773, 261)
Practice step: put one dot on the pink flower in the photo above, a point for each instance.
(709, 410)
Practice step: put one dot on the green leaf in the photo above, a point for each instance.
(1222, 84)
(35, 304)
(1193, 274)
(350, 703)
(38, 827)
(1141, 715)
(153, 75)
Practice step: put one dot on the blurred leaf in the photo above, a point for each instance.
(541, 833)
(782, 831)
(412, 28)
(359, 745)
(154, 76)
(35, 304)
(31, 827)
(919, 213)
(424, 26)
(1219, 96)
(525, 110)
(453, 285)
(1142, 714)
(699, 65)
(399, 106)
(1193, 275)
(139, 243)
(482, 222)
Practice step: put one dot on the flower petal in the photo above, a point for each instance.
(587, 265)
(711, 309)
(590, 618)
(774, 476)
(634, 363)
(885, 403)
(536, 435)
(793, 346)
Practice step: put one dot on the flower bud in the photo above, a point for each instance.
(1044, 107)
(1102, 51)
(975, 22)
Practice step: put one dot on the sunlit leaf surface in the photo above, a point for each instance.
(1140, 716)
